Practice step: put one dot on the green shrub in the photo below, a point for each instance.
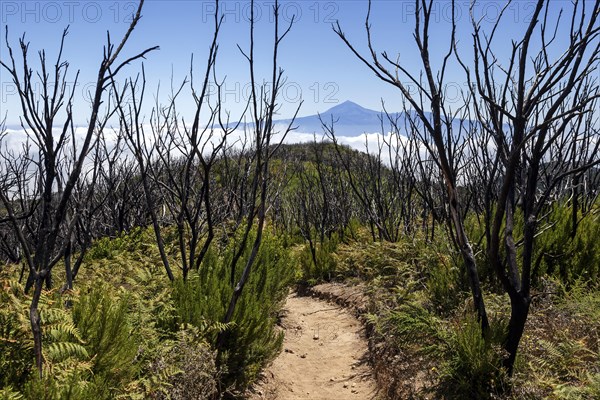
(581, 299)
(324, 268)
(251, 339)
(472, 367)
(101, 316)
(569, 257)
(201, 300)
(387, 264)
(556, 251)
(468, 363)
(443, 287)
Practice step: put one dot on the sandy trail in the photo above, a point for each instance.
(323, 355)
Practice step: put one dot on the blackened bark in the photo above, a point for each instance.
(519, 307)
(34, 318)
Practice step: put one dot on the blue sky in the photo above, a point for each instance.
(319, 68)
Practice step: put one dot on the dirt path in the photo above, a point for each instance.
(323, 355)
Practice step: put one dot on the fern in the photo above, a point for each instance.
(589, 390)
(8, 393)
(127, 334)
(16, 344)
(565, 357)
(58, 351)
(61, 329)
(184, 368)
(411, 322)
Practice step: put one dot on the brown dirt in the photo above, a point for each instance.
(399, 372)
(324, 355)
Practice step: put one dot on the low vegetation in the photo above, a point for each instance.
(427, 344)
(126, 334)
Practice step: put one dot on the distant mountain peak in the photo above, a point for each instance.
(345, 107)
(349, 119)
